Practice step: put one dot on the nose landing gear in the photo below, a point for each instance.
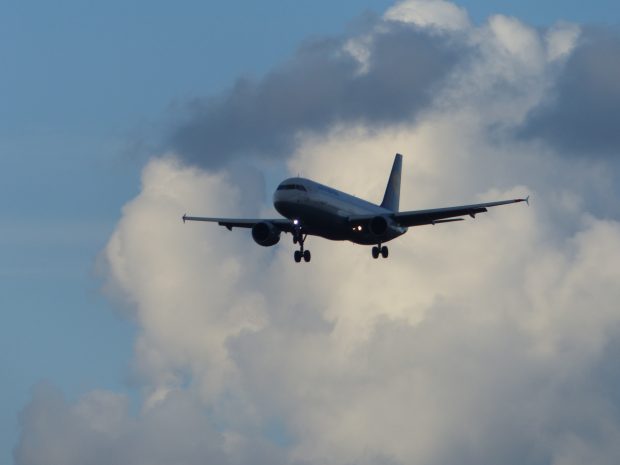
(299, 238)
(378, 249)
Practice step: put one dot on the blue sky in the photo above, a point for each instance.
(81, 82)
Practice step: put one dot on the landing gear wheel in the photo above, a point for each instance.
(307, 256)
(384, 251)
(297, 256)
(375, 252)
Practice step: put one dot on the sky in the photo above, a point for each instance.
(491, 341)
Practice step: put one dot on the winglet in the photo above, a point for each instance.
(526, 200)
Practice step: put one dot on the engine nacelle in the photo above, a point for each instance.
(265, 234)
(378, 226)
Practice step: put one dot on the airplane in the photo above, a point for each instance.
(313, 209)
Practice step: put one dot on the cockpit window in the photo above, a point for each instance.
(286, 187)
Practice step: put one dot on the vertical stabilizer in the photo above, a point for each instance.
(392, 191)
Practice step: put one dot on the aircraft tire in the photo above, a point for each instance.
(375, 252)
(297, 256)
(384, 251)
(307, 256)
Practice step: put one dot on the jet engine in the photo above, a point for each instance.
(265, 234)
(378, 226)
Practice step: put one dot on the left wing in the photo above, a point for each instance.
(281, 223)
(439, 215)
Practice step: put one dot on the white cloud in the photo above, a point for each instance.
(561, 40)
(438, 14)
(521, 42)
(473, 343)
(170, 288)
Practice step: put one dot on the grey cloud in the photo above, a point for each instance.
(582, 114)
(99, 429)
(321, 85)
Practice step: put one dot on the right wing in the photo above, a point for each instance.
(281, 223)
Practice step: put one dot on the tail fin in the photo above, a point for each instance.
(392, 191)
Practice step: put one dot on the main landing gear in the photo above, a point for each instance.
(300, 238)
(378, 249)
(302, 253)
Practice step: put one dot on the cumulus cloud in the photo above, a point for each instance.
(489, 341)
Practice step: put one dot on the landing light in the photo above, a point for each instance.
(359, 228)
(295, 222)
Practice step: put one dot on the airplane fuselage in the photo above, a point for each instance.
(325, 211)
